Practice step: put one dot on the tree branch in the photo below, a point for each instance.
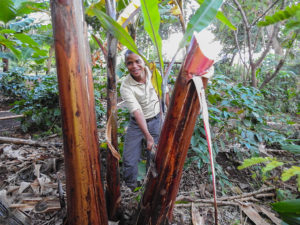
(104, 50)
(238, 46)
(265, 52)
(248, 27)
(264, 13)
(278, 67)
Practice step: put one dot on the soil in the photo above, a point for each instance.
(32, 186)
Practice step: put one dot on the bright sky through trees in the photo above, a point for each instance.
(209, 47)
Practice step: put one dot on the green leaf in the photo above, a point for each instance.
(288, 206)
(222, 18)
(10, 45)
(290, 219)
(22, 24)
(26, 39)
(272, 165)
(156, 80)
(116, 30)
(287, 174)
(28, 7)
(291, 148)
(8, 12)
(7, 31)
(151, 25)
(288, 12)
(201, 19)
(252, 161)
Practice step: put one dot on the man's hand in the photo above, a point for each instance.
(150, 142)
(140, 119)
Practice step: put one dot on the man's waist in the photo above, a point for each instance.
(148, 119)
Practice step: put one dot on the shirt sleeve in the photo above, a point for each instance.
(130, 100)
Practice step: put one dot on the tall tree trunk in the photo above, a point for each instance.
(113, 194)
(85, 196)
(157, 203)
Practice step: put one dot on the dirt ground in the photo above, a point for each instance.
(32, 186)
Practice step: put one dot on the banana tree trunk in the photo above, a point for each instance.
(85, 196)
(113, 194)
(157, 203)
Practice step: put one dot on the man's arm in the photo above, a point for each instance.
(141, 121)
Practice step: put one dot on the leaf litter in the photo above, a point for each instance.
(32, 191)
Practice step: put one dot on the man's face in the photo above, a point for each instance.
(135, 65)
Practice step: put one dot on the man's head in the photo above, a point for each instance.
(134, 64)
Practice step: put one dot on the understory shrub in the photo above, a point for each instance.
(38, 100)
(238, 122)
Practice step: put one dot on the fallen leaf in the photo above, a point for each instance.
(253, 215)
(23, 187)
(196, 218)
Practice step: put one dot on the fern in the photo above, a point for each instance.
(272, 165)
(293, 171)
(253, 161)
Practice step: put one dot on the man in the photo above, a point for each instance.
(143, 104)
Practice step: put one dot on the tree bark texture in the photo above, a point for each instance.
(85, 196)
(113, 194)
(157, 203)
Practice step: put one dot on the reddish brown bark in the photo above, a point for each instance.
(85, 196)
(159, 197)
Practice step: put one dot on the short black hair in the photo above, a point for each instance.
(128, 52)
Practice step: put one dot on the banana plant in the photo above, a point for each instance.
(203, 16)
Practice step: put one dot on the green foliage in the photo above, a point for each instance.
(291, 148)
(13, 84)
(238, 118)
(252, 161)
(282, 93)
(37, 99)
(293, 171)
(100, 94)
(270, 164)
(288, 211)
(220, 16)
(238, 113)
(14, 32)
(281, 15)
(151, 25)
(115, 29)
(7, 11)
(284, 194)
(39, 104)
(201, 155)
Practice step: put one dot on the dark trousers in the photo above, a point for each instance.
(133, 148)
